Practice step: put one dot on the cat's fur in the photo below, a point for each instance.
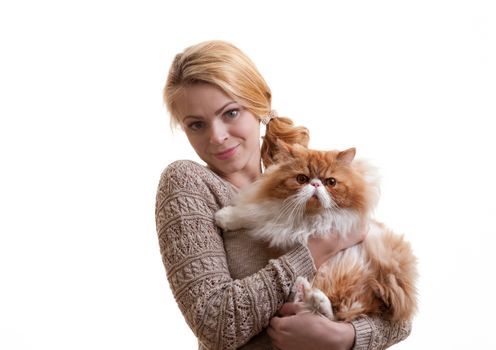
(296, 197)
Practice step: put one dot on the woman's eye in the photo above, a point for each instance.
(233, 113)
(196, 126)
(330, 181)
(302, 179)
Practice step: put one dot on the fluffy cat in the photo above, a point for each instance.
(308, 192)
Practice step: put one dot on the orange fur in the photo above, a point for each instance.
(376, 277)
(382, 282)
(281, 128)
(280, 180)
(307, 192)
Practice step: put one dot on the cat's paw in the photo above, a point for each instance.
(313, 298)
(317, 301)
(300, 287)
(223, 218)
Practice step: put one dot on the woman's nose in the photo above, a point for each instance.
(218, 133)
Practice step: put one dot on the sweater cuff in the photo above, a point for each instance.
(300, 262)
(363, 333)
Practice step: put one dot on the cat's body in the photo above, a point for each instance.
(308, 192)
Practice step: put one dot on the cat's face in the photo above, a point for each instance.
(316, 180)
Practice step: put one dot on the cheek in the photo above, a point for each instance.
(288, 188)
(197, 143)
(248, 128)
(341, 196)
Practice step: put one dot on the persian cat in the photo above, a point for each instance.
(308, 192)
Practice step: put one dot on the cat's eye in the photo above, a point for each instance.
(302, 179)
(330, 181)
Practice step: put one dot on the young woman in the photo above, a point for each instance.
(231, 288)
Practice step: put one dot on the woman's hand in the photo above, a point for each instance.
(298, 329)
(324, 247)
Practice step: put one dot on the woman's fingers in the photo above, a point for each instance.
(289, 309)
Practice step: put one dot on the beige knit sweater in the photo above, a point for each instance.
(226, 284)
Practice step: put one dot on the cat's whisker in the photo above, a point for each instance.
(376, 277)
(294, 206)
(302, 202)
(289, 207)
(285, 210)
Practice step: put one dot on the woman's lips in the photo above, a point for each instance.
(226, 154)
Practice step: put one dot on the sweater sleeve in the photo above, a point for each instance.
(375, 333)
(222, 312)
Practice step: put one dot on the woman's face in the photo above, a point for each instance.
(224, 134)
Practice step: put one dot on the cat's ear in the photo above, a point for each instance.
(347, 156)
(283, 151)
(298, 151)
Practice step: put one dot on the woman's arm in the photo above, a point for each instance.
(297, 326)
(374, 333)
(222, 312)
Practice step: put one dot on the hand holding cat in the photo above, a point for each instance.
(324, 247)
(298, 328)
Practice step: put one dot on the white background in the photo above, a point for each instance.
(84, 137)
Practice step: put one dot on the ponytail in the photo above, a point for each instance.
(283, 129)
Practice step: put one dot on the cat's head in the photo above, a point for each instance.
(318, 180)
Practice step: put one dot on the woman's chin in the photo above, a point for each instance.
(227, 167)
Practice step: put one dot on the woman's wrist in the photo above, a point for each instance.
(321, 249)
(340, 335)
(348, 335)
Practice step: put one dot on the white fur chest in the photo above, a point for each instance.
(282, 228)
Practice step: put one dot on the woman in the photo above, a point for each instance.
(228, 286)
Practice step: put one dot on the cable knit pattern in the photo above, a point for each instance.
(227, 285)
(375, 333)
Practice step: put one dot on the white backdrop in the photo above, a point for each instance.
(84, 137)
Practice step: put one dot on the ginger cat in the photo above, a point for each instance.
(308, 192)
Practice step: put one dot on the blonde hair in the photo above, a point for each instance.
(223, 65)
(280, 128)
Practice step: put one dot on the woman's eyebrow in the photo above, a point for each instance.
(223, 107)
(216, 112)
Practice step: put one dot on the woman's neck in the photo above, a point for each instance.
(244, 176)
(241, 180)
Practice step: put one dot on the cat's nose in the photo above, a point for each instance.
(315, 184)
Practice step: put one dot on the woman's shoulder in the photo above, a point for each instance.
(190, 176)
(184, 166)
(183, 172)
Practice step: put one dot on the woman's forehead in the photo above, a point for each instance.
(202, 100)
